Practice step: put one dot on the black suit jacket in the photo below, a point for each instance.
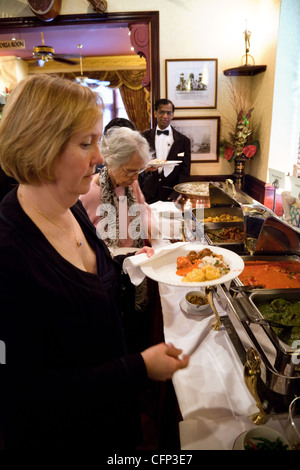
(157, 187)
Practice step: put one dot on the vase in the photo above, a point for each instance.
(239, 172)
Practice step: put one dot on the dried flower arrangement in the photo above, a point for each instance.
(239, 143)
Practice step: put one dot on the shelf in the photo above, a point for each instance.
(245, 70)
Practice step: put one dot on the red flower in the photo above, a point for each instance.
(249, 151)
(228, 153)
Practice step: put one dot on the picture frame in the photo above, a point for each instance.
(204, 134)
(192, 83)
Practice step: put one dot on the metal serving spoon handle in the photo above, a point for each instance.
(263, 321)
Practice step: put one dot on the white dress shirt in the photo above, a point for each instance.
(163, 143)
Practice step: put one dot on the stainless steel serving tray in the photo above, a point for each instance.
(220, 225)
(200, 214)
(266, 295)
(280, 365)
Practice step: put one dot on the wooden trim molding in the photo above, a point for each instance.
(91, 64)
(255, 188)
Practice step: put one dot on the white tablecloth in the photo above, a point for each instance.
(214, 401)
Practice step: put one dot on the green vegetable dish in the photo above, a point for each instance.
(261, 443)
(285, 312)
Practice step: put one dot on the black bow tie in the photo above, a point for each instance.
(162, 132)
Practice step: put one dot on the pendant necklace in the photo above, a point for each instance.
(78, 242)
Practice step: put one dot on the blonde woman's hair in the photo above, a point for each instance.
(39, 118)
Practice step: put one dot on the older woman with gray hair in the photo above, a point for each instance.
(115, 202)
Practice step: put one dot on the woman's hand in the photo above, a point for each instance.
(150, 169)
(146, 249)
(162, 360)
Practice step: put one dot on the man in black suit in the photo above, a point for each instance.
(168, 144)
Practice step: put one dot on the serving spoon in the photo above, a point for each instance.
(263, 321)
(246, 288)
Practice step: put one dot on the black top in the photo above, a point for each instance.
(157, 187)
(67, 379)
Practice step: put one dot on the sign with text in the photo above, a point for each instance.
(295, 186)
(277, 175)
(12, 44)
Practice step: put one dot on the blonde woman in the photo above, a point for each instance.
(68, 381)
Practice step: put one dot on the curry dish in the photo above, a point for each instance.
(271, 274)
(226, 235)
(223, 218)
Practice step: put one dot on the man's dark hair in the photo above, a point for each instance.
(119, 122)
(163, 101)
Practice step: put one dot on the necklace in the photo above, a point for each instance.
(78, 242)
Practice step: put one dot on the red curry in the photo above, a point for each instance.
(271, 274)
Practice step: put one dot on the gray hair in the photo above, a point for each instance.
(119, 143)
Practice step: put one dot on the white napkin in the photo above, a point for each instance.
(212, 386)
(212, 433)
(132, 264)
(166, 208)
(168, 169)
(215, 433)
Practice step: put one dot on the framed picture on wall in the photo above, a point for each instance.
(204, 134)
(192, 83)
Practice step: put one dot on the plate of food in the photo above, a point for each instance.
(159, 163)
(193, 265)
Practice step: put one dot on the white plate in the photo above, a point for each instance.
(202, 313)
(166, 163)
(163, 269)
(239, 442)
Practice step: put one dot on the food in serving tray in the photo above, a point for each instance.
(195, 189)
(285, 312)
(226, 235)
(271, 274)
(201, 266)
(223, 218)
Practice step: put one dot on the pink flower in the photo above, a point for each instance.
(249, 151)
(228, 153)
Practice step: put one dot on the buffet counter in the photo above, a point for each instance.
(218, 394)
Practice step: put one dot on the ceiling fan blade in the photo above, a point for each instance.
(92, 81)
(64, 60)
(68, 56)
